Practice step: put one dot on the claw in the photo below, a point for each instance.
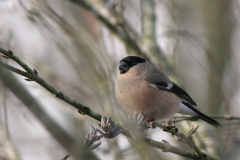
(140, 119)
(142, 122)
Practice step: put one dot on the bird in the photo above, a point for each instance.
(142, 88)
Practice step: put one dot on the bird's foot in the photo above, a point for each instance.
(142, 123)
(169, 125)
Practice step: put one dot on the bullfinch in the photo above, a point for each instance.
(140, 87)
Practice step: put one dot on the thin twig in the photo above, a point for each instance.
(195, 118)
(31, 75)
(182, 137)
(13, 69)
(166, 147)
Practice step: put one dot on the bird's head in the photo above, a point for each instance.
(128, 62)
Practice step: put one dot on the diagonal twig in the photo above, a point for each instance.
(195, 118)
(182, 137)
(31, 74)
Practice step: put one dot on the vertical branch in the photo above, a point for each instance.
(219, 49)
(215, 16)
(149, 40)
(148, 19)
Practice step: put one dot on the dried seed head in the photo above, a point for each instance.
(92, 140)
(109, 126)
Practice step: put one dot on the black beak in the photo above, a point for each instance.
(123, 67)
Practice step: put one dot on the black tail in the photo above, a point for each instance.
(208, 119)
(203, 116)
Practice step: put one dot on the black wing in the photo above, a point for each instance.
(172, 87)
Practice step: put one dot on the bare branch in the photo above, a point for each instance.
(128, 35)
(148, 39)
(32, 76)
(195, 118)
(13, 69)
(112, 25)
(182, 137)
(169, 148)
(9, 54)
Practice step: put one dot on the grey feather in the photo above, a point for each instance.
(159, 80)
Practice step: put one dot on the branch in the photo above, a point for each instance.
(170, 127)
(68, 142)
(149, 39)
(32, 75)
(195, 118)
(181, 136)
(111, 23)
(166, 147)
(126, 33)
